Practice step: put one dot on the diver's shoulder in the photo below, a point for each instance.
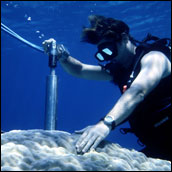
(155, 56)
(157, 59)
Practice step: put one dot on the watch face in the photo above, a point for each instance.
(108, 119)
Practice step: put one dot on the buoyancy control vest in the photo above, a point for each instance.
(150, 121)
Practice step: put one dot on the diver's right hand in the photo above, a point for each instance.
(47, 45)
(61, 51)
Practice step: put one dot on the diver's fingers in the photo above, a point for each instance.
(83, 141)
(82, 137)
(90, 142)
(48, 41)
(51, 40)
(82, 130)
(45, 46)
(96, 143)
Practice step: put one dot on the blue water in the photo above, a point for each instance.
(24, 70)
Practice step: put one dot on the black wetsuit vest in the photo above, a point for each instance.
(150, 121)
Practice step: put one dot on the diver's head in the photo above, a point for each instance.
(107, 34)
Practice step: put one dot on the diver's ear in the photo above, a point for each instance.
(125, 37)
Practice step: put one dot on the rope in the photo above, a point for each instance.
(15, 35)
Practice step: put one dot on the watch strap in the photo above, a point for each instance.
(113, 125)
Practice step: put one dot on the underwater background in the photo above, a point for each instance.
(24, 70)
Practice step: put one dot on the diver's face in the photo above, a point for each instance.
(119, 51)
(114, 49)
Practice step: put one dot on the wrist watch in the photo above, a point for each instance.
(109, 121)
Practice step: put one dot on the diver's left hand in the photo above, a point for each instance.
(91, 137)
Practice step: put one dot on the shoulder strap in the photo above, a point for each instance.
(134, 69)
(144, 47)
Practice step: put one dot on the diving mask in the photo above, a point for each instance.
(106, 51)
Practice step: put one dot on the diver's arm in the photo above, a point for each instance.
(74, 66)
(85, 71)
(154, 67)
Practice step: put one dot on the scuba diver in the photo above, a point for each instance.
(142, 70)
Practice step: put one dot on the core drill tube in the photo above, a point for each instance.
(51, 102)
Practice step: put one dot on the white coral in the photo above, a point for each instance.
(39, 150)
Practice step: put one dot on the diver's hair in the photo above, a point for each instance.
(103, 28)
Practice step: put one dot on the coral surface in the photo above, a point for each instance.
(40, 150)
